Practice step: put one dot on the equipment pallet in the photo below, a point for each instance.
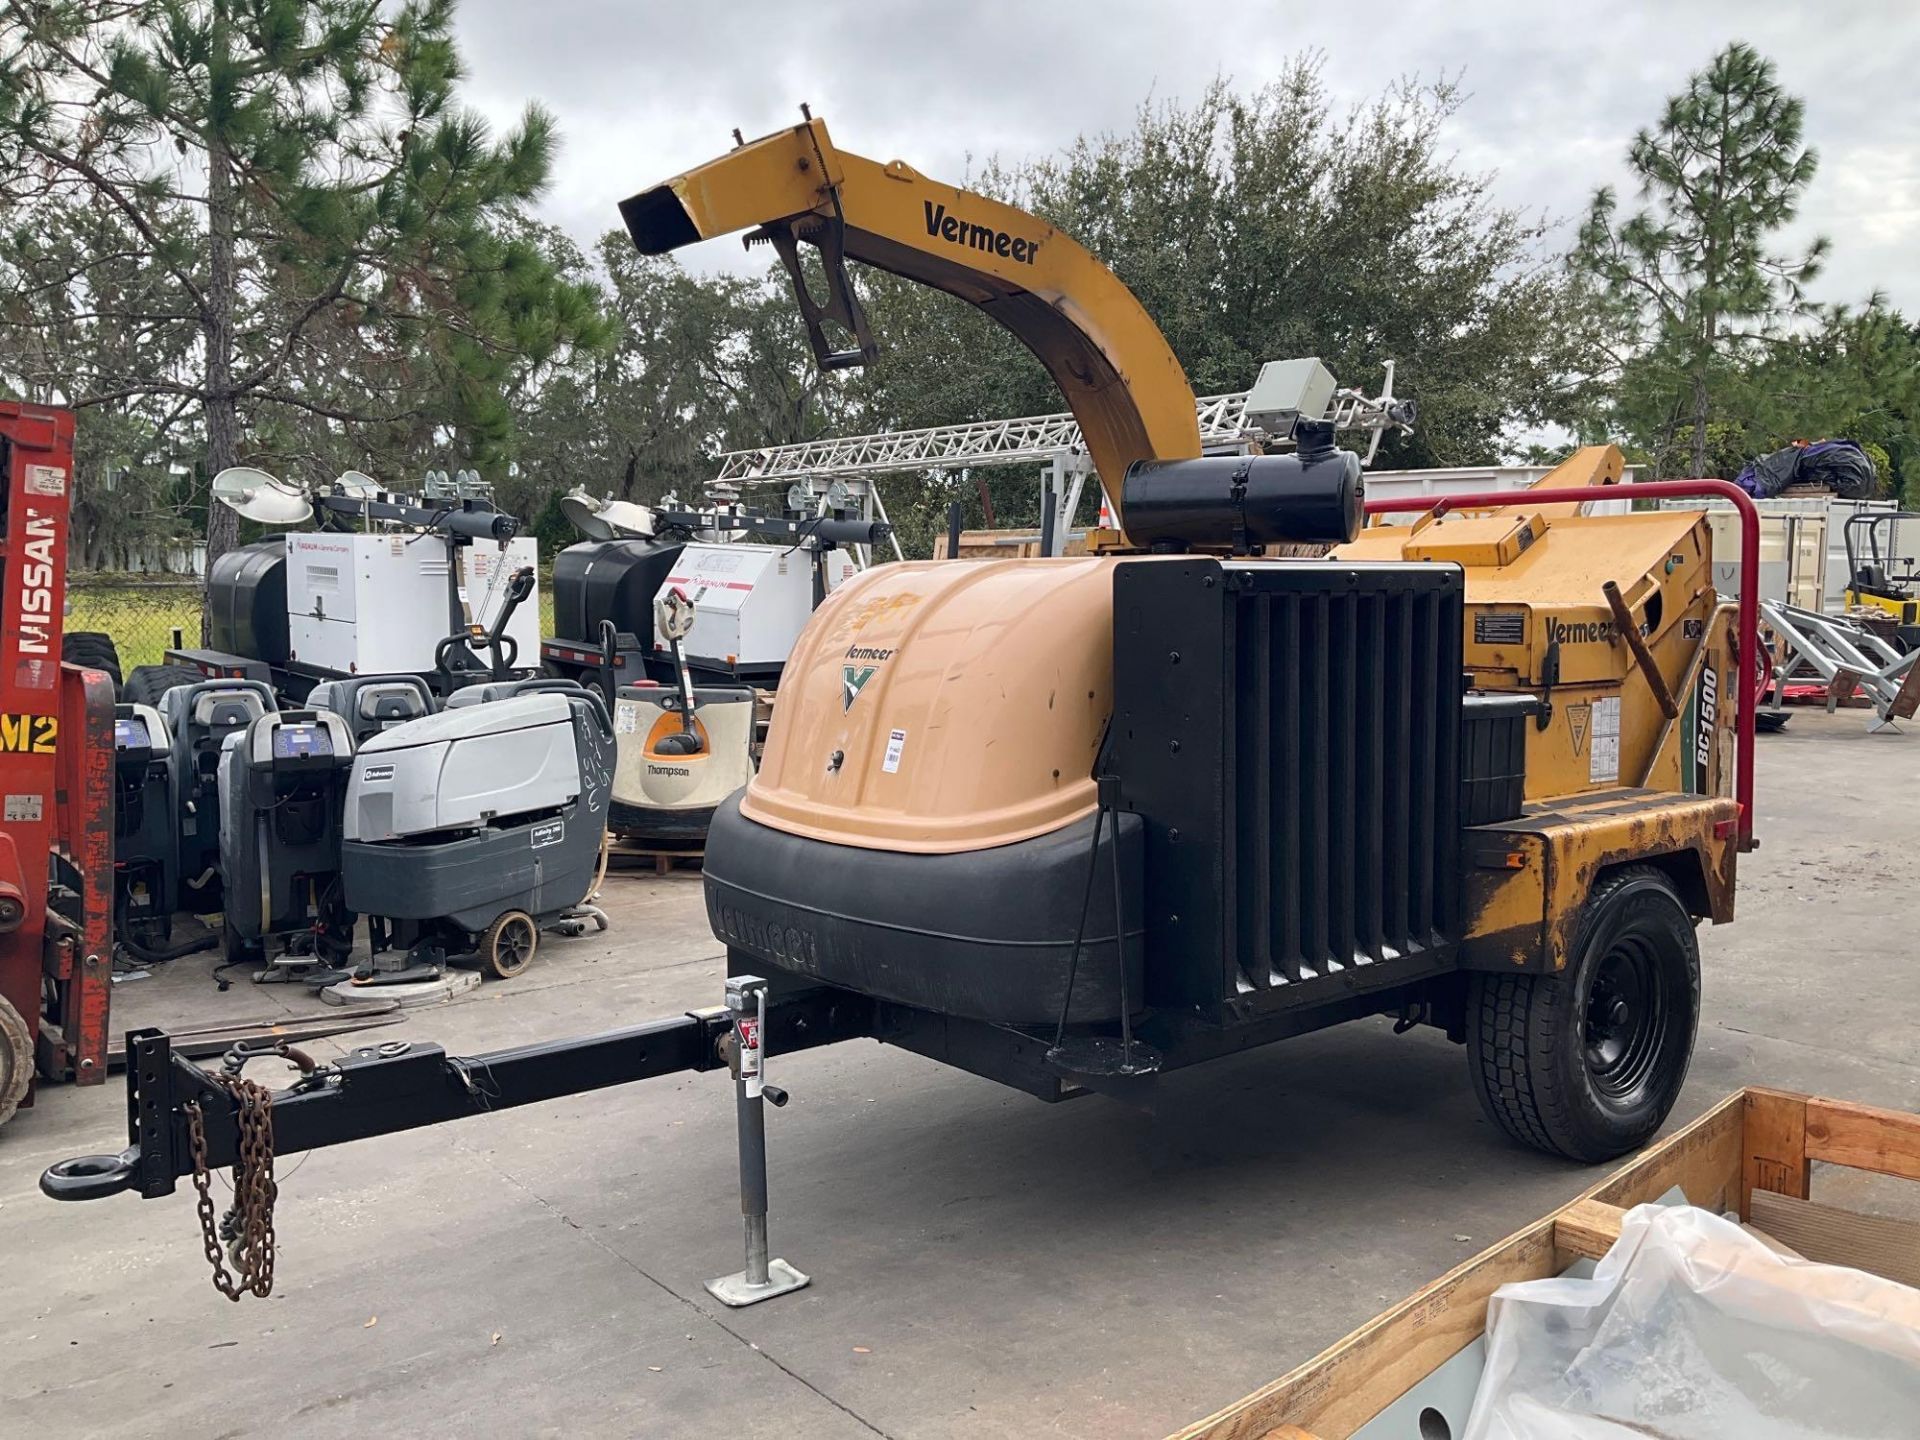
(662, 856)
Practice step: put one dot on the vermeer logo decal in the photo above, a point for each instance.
(1584, 632)
(956, 231)
(853, 679)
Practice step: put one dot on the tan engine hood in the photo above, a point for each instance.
(964, 702)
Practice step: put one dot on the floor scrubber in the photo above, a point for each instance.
(282, 788)
(146, 840)
(373, 703)
(468, 832)
(199, 718)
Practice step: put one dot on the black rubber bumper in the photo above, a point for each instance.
(984, 934)
(542, 868)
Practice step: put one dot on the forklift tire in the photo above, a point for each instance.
(148, 683)
(95, 650)
(1587, 1063)
(507, 947)
(16, 1060)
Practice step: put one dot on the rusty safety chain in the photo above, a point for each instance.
(249, 1223)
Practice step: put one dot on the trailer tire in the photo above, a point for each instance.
(95, 650)
(148, 683)
(1586, 1063)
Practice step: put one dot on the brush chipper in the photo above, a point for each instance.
(1074, 823)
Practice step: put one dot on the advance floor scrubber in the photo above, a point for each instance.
(282, 788)
(458, 835)
(469, 831)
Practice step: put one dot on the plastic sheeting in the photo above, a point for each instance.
(1692, 1329)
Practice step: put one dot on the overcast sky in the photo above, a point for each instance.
(646, 88)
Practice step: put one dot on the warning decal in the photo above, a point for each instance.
(1603, 761)
(1579, 718)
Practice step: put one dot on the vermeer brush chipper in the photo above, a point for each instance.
(1072, 822)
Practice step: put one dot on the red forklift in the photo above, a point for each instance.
(56, 782)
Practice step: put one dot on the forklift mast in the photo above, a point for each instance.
(56, 782)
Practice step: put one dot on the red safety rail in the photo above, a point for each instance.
(1749, 611)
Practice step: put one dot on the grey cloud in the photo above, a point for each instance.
(644, 90)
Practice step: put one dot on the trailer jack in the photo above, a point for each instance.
(762, 1279)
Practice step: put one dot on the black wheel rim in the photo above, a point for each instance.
(1628, 1016)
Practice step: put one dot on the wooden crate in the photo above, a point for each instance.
(1753, 1152)
(1004, 544)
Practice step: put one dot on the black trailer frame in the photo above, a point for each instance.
(396, 1085)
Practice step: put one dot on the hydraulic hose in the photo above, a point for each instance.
(123, 932)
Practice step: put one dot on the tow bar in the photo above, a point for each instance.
(382, 1088)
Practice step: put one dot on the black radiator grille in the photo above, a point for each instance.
(1290, 732)
(1343, 727)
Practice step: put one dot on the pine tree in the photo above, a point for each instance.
(1722, 170)
(298, 181)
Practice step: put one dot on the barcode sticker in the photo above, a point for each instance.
(896, 742)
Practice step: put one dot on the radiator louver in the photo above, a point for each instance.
(1290, 733)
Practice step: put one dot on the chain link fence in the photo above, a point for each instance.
(148, 614)
(144, 614)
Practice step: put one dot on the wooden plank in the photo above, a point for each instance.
(1347, 1385)
(1866, 1137)
(662, 857)
(1878, 1244)
(1776, 1146)
(1702, 1158)
(1353, 1380)
(1587, 1228)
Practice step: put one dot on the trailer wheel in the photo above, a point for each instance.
(16, 1059)
(1588, 1062)
(507, 947)
(95, 650)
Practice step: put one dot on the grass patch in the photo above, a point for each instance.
(140, 617)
